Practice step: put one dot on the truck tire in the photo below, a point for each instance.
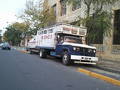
(31, 52)
(66, 59)
(42, 53)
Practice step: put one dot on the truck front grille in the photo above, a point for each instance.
(87, 52)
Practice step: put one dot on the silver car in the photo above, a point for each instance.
(5, 46)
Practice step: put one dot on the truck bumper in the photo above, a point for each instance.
(84, 59)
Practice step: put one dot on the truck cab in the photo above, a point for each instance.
(73, 50)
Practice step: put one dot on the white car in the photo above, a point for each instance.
(1, 45)
(5, 45)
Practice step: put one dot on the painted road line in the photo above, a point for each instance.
(99, 76)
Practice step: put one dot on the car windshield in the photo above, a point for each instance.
(6, 44)
(72, 39)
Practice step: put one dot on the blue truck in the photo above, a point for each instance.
(63, 41)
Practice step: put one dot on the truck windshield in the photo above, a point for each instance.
(72, 39)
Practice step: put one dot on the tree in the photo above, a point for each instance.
(97, 20)
(38, 15)
(97, 27)
(15, 33)
(12, 36)
(48, 15)
(22, 27)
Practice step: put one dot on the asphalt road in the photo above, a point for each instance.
(19, 71)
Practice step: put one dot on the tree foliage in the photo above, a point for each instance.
(98, 27)
(15, 33)
(38, 15)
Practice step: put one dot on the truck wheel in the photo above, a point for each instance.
(42, 53)
(66, 59)
(31, 52)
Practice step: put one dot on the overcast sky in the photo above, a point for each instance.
(8, 11)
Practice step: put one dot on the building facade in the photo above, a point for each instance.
(68, 13)
(65, 12)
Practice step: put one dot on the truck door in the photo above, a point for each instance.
(59, 46)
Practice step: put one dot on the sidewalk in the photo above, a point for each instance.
(109, 65)
(19, 48)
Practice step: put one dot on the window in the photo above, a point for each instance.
(45, 32)
(42, 32)
(54, 9)
(76, 5)
(72, 39)
(63, 7)
(50, 31)
(39, 32)
(116, 34)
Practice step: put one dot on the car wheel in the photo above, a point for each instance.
(31, 52)
(9, 48)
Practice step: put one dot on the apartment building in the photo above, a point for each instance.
(65, 12)
(68, 13)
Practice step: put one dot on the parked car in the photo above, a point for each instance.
(1, 45)
(5, 46)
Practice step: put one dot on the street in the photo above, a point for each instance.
(20, 71)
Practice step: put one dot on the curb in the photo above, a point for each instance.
(99, 76)
(108, 69)
(23, 51)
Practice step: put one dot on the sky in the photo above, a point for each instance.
(9, 9)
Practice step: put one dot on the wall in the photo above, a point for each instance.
(104, 53)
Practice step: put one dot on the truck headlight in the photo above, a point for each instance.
(76, 48)
(94, 51)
